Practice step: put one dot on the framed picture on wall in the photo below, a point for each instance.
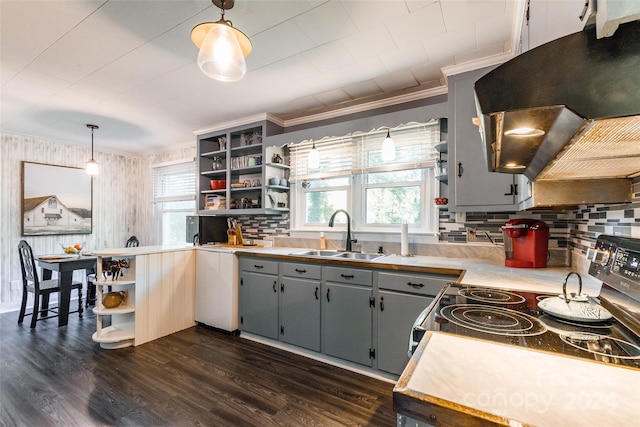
(55, 200)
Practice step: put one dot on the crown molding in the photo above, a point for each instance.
(497, 59)
(367, 106)
(240, 122)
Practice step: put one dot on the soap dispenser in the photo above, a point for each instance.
(323, 241)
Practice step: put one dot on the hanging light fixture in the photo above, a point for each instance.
(388, 148)
(313, 162)
(92, 167)
(222, 47)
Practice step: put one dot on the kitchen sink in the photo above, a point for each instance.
(313, 252)
(338, 254)
(358, 255)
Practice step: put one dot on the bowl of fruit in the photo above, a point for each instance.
(73, 249)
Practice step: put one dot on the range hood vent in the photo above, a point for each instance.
(566, 110)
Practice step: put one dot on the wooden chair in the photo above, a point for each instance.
(31, 283)
(132, 242)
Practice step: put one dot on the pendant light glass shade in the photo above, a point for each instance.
(388, 148)
(92, 167)
(313, 162)
(221, 56)
(222, 47)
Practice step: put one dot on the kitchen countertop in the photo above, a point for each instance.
(476, 272)
(142, 250)
(453, 381)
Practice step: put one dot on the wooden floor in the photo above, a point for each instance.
(54, 376)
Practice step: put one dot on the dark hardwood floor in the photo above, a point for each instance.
(54, 376)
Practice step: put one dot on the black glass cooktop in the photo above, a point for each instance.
(513, 317)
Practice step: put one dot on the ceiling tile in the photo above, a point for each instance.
(271, 41)
(404, 57)
(422, 24)
(365, 16)
(370, 42)
(51, 19)
(336, 23)
(396, 81)
(362, 89)
(446, 45)
(329, 56)
(332, 97)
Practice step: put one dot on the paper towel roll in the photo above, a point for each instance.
(404, 239)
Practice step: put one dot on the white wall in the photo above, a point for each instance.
(121, 200)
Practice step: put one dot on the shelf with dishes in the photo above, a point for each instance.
(115, 297)
(234, 167)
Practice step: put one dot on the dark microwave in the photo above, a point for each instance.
(206, 229)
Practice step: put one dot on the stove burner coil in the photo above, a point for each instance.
(491, 295)
(493, 320)
(602, 345)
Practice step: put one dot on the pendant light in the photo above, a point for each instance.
(388, 148)
(313, 161)
(92, 167)
(222, 47)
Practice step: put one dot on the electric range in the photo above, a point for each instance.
(514, 317)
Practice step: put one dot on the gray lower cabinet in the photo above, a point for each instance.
(400, 299)
(347, 314)
(300, 305)
(355, 314)
(259, 297)
(396, 314)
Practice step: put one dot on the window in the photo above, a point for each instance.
(352, 176)
(174, 193)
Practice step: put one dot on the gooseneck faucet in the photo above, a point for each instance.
(349, 241)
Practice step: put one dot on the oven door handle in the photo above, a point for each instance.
(417, 327)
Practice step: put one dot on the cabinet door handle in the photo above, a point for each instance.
(274, 286)
(281, 287)
(381, 303)
(300, 271)
(460, 170)
(316, 293)
(347, 276)
(512, 191)
(328, 300)
(415, 285)
(258, 266)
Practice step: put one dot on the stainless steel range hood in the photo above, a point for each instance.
(567, 110)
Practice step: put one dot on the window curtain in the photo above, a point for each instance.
(360, 152)
(174, 182)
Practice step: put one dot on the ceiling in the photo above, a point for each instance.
(130, 67)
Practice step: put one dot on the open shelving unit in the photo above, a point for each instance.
(121, 332)
(240, 158)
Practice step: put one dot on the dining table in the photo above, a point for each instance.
(64, 265)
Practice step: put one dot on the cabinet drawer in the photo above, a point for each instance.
(413, 283)
(307, 271)
(348, 275)
(258, 265)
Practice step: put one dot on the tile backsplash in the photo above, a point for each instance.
(570, 230)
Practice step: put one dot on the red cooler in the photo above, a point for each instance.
(526, 243)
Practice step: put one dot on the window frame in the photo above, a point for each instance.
(159, 203)
(356, 195)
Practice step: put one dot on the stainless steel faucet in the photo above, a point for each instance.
(349, 240)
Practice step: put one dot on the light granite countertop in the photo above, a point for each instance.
(477, 272)
(462, 381)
